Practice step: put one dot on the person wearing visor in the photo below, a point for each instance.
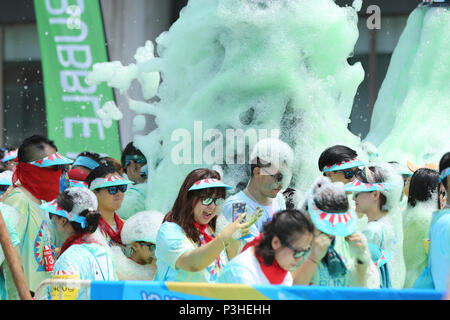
(339, 256)
(436, 274)
(187, 248)
(270, 172)
(84, 163)
(135, 167)
(84, 254)
(109, 187)
(339, 163)
(139, 233)
(376, 192)
(284, 242)
(35, 178)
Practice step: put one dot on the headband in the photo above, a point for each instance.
(344, 165)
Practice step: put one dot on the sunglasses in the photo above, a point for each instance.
(277, 177)
(348, 174)
(297, 253)
(114, 189)
(208, 201)
(151, 246)
(3, 188)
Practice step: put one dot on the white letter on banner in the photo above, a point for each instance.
(92, 99)
(68, 122)
(63, 8)
(83, 34)
(76, 84)
(71, 60)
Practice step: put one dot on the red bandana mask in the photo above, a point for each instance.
(105, 227)
(43, 183)
(274, 272)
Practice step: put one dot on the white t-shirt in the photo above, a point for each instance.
(245, 269)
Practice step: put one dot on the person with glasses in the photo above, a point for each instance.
(377, 191)
(270, 172)
(339, 255)
(36, 178)
(423, 200)
(84, 255)
(134, 164)
(139, 233)
(339, 163)
(187, 246)
(110, 188)
(269, 258)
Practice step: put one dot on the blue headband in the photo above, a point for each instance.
(444, 174)
(85, 162)
(344, 165)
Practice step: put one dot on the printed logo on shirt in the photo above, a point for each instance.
(42, 239)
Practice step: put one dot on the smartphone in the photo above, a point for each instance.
(238, 208)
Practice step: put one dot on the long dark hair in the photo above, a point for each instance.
(285, 224)
(424, 182)
(182, 209)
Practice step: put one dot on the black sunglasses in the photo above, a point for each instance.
(114, 189)
(277, 177)
(3, 188)
(348, 174)
(208, 201)
(297, 253)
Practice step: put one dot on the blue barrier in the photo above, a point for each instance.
(149, 290)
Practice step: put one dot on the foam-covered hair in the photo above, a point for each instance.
(143, 226)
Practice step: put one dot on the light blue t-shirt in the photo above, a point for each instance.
(87, 261)
(171, 243)
(278, 204)
(440, 249)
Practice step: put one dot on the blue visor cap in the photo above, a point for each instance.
(209, 183)
(336, 224)
(53, 208)
(85, 162)
(52, 160)
(444, 174)
(358, 186)
(344, 165)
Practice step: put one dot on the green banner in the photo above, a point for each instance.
(72, 40)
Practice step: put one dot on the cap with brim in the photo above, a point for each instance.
(52, 160)
(52, 207)
(358, 186)
(444, 174)
(344, 165)
(11, 155)
(332, 223)
(109, 182)
(85, 162)
(209, 183)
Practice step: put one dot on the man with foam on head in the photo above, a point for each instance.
(270, 163)
(135, 165)
(36, 178)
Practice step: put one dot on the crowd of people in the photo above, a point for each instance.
(366, 224)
